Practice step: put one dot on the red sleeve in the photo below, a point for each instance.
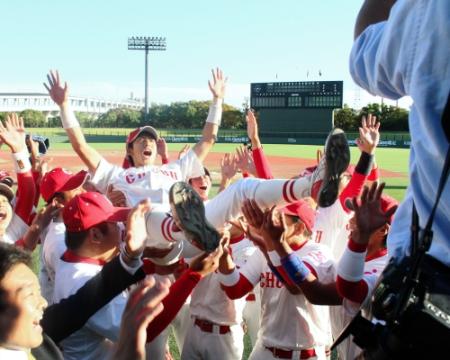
(179, 292)
(374, 174)
(261, 164)
(26, 187)
(353, 189)
(37, 188)
(354, 291)
(240, 289)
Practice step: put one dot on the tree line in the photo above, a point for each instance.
(192, 115)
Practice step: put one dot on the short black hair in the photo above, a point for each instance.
(11, 255)
(74, 240)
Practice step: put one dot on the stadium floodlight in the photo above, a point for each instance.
(147, 44)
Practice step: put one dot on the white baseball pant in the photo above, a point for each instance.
(222, 208)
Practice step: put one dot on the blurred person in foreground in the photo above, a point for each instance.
(401, 48)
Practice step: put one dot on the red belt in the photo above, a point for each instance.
(287, 354)
(208, 326)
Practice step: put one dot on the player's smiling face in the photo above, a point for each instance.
(143, 150)
(201, 185)
(24, 308)
(5, 213)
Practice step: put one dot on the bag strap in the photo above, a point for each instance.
(421, 241)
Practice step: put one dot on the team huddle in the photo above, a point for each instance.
(289, 261)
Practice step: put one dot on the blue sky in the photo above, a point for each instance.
(253, 41)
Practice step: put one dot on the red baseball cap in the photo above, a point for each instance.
(144, 129)
(387, 203)
(59, 180)
(89, 209)
(302, 210)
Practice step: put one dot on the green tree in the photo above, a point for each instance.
(345, 118)
(33, 118)
(120, 118)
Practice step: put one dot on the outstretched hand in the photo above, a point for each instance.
(57, 92)
(136, 232)
(273, 228)
(368, 215)
(252, 126)
(369, 135)
(144, 304)
(12, 133)
(218, 84)
(228, 166)
(205, 264)
(161, 148)
(244, 160)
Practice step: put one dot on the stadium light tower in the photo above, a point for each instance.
(148, 44)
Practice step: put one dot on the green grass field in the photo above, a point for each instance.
(390, 159)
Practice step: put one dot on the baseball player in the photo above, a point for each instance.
(291, 327)
(340, 292)
(215, 330)
(332, 223)
(144, 179)
(362, 262)
(14, 221)
(58, 186)
(198, 221)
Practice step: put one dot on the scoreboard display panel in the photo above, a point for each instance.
(297, 95)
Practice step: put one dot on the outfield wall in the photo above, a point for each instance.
(387, 140)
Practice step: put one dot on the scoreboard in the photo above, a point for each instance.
(297, 95)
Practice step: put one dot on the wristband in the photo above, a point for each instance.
(229, 279)
(215, 112)
(21, 161)
(351, 265)
(128, 254)
(68, 119)
(296, 269)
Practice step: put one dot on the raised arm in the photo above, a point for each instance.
(12, 133)
(262, 166)
(60, 95)
(352, 282)
(211, 128)
(369, 137)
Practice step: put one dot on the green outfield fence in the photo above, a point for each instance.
(98, 135)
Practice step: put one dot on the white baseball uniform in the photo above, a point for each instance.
(96, 338)
(242, 251)
(224, 207)
(15, 230)
(151, 181)
(342, 315)
(52, 248)
(209, 302)
(288, 321)
(332, 228)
